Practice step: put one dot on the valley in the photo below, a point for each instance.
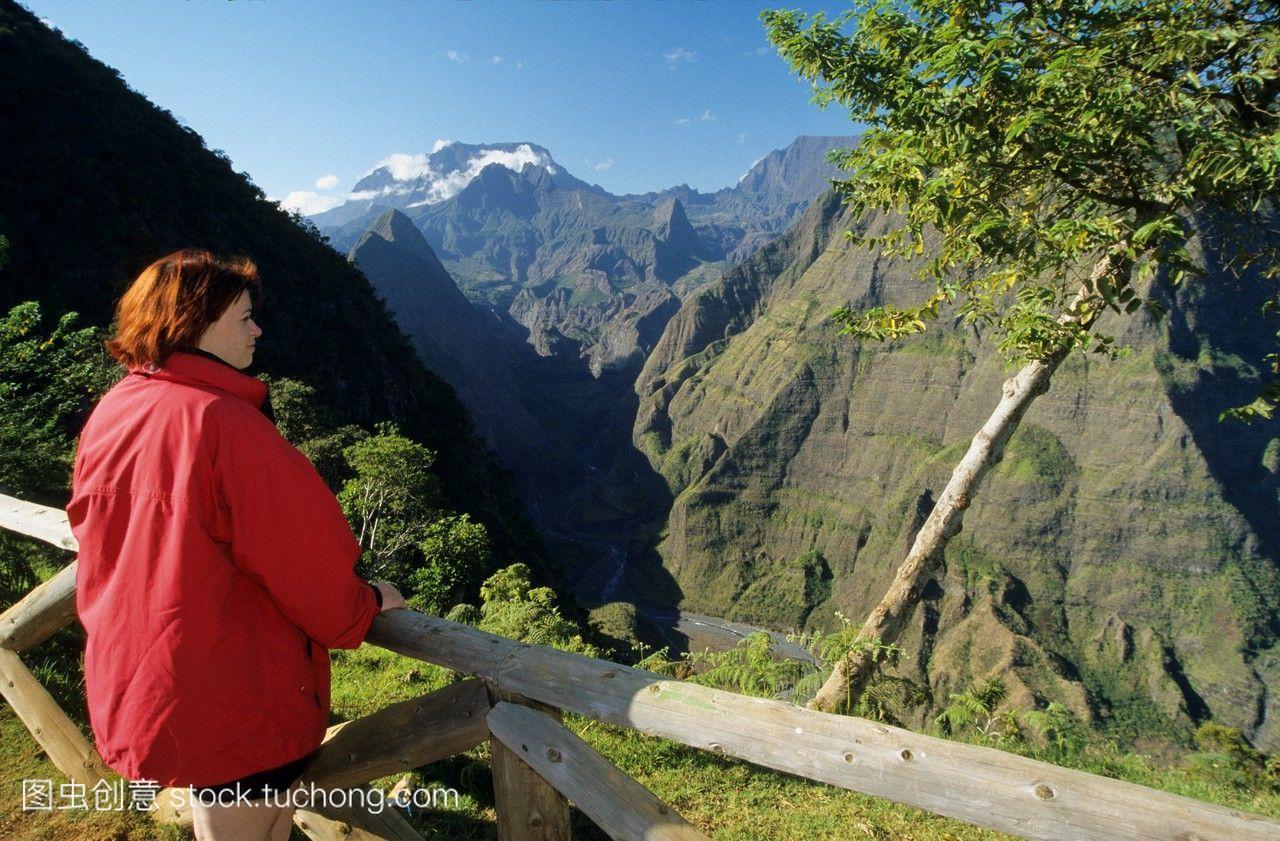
(694, 439)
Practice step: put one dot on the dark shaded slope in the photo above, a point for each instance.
(96, 182)
(467, 347)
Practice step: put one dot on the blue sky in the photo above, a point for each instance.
(631, 96)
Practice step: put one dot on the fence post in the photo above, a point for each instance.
(528, 808)
(67, 747)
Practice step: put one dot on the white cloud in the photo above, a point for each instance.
(742, 136)
(519, 65)
(605, 164)
(763, 50)
(326, 182)
(49, 24)
(678, 55)
(683, 121)
(404, 167)
(414, 174)
(748, 172)
(707, 116)
(497, 59)
(450, 185)
(308, 203)
(389, 190)
(456, 56)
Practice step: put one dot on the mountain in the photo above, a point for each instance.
(767, 200)
(573, 288)
(404, 182)
(99, 182)
(585, 274)
(1121, 560)
(465, 346)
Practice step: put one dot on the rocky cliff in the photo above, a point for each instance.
(1122, 559)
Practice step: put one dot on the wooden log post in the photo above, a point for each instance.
(38, 521)
(619, 805)
(397, 738)
(528, 807)
(66, 746)
(403, 736)
(51, 605)
(38, 615)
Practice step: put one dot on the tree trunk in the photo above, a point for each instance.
(883, 625)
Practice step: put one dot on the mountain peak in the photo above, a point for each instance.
(408, 181)
(677, 247)
(671, 219)
(395, 228)
(801, 164)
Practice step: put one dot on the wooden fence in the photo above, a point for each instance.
(514, 698)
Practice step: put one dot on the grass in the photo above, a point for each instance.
(22, 759)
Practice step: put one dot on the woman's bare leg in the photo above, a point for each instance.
(254, 822)
(283, 826)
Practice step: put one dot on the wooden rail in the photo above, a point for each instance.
(981, 786)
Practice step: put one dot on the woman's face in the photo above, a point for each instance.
(231, 337)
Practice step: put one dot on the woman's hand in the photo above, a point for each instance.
(391, 597)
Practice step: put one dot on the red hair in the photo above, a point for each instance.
(174, 301)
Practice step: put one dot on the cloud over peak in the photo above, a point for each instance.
(404, 167)
(326, 182)
(420, 183)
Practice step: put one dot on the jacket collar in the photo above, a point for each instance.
(205, 369)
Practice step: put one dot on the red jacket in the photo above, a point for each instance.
(215, 570)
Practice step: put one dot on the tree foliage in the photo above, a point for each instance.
(455, 551)
(1018, 143)
(512, 607)
(49, 378)
(390, 500)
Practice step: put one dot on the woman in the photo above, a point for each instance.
(215, 568)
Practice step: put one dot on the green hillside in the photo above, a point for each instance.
(1122, 560)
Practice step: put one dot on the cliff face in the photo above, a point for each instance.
(1122, 558)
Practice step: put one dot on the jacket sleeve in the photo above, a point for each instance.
(289, 535)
